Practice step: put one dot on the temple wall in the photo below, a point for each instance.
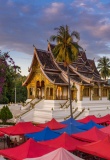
(78, 92)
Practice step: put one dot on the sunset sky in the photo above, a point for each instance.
(27, 22)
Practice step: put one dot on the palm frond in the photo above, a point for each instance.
(76, 34)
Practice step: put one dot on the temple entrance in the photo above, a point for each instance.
(49, 93)
(40, 89)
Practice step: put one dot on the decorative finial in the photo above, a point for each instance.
(48, 41)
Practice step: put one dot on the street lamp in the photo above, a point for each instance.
(15, 94)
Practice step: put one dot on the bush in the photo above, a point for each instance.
(5, 114)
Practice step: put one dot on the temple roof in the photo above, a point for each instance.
(46, 60)
(82, 71)
(56, 78)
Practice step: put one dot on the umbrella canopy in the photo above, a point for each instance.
(90, 125)
(70, 129)
(45, 134)
(64, 141)
(29, 149)
(103, 119)
(91, 135)
(97, 120)
(87, 119)
(71, 121)
(58, 154)
(1, 134)
(106, 129)
(100, 148)
(53, 124)
(20, 129)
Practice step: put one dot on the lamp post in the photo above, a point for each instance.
(15, 94)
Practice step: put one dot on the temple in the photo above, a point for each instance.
(48, 82)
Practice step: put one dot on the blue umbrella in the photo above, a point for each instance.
(70, 129)
(72, 121)
(90, 125)
(45, 134)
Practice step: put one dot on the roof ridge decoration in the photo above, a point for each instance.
(29, 68)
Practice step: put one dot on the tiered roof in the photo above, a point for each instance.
(82, 71)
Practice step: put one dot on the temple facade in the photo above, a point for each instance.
(47, 83)
(48, 79)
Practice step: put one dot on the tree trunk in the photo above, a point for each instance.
(69, 91)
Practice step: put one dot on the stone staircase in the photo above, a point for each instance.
(44, 110)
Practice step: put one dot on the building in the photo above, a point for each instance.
(48, 80)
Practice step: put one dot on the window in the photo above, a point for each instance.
(51, 91)
(86, 92)
(42, 83)
(30, 91)
(38, 84)
(104, 92)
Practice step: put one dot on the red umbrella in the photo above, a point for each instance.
(1, 134)
(87, 119)
(64, 141)
(106, 129)
(97, 120)
(29, 149)
(53, 124)
(20, 129)
(100, 148)
(91, 135)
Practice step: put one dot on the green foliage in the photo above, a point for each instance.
(8, 94)
(66, 50)
(104, 67)
(21, 91)
(5, 114)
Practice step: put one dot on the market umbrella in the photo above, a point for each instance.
(90, 125)
(91, 135)
(20, 129)
(29, 149)
(45, 134)
(58, 154)
(100, 148)
(70, 129)
(71, 121)
(64, 141)
(52, 124)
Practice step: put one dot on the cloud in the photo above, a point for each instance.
(10, 3)
(24, 23)
(54, 8)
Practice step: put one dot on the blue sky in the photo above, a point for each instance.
(27, 22)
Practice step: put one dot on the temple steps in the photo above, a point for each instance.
(45, 110)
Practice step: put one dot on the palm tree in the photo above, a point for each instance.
(104, 67)
(66, 50)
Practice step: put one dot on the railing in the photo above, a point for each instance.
(62, 105)
(32, 105)
(72, 113)
(79, 113)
